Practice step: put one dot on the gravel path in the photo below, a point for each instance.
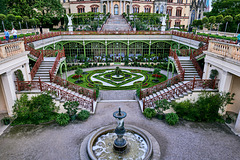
(185, 141)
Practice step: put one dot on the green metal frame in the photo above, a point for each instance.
(170, 62)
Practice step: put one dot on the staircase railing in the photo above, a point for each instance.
(196, 65)
(78, 89)
(55, 64)
(36, 66)
(29, 85)
(173, 54)
(177, 91)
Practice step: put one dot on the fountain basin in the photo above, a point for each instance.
(94, 137)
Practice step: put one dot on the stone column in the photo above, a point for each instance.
(9, 90)
(124, 6)
(120, 7)
(225, 82)
(112, 12)
(108, 9)
(131, 9)
(206, 70)
(159, 8)
(101, 6)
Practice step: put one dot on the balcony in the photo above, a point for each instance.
(10, 49)
(231, 51)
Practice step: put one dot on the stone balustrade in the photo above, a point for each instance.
(10, 49)
(225, 49)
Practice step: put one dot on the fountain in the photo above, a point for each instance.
(123, 142)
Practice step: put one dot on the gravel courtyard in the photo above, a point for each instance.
(185, 141)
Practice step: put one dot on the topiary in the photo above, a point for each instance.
(63, 119)
(171, 118)
(149, 113)
(83, 115)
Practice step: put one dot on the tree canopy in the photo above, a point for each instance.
(48, 12)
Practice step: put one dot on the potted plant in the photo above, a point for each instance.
(71, 107)
(6, 120)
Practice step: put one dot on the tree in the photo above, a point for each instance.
(32, 22)
(237, 19)
(212, 20)
(205, 20)
(226, 20)
(2, 17)
(219, 20)
(156, 71)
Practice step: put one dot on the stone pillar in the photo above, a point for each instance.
(124, 6)
(120, 7)
(101, 6)
(206, 70)
(112, 7)
(225, 82)
(159, 8)
(108, 10)
(131, 9)
(9, 90)
(237, 125)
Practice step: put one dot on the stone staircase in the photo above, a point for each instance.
(70, 92)
(190, 70)
(43, 70)
(116, 23)
(172, 89)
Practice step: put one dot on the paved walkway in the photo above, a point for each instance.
(185, 141)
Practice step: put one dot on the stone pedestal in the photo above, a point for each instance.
(134, 29)
(70, 29)
(237, 125)
(163, 28)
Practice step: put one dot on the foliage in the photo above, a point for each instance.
(219, 19)
(228, 18)
(37, 110)
(118, 71)
(162, 105)
(138, 90)
(62, 119)
(18, 73)
(206, 107)
(237, 18)
(32, 22)
(213, 74)
(97, 90)
(171, 118)
(212, 19)
(83, 115)
(220, 37)
(18, 18)
(71, 107)
(200, 44)
(6, 120)
(25, 19)
(11, 17)
(205, 20)
(2, 17)
(149, 113)
(78, 72)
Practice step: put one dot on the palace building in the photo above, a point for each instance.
(181, 12)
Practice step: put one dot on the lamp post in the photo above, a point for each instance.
(20, 27)
(3, 25)
(27, 27)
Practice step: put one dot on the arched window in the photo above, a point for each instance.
(147, 9)
(116, 9)
(128, 8)
(94, 8)
(157, 10)
(81, 8)
(161, 9)
(136, 8)
(104, 9)
(179, 11)
(169, 10)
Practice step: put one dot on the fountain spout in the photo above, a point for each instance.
(120, 143)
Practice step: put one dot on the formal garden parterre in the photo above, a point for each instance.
(128, 79)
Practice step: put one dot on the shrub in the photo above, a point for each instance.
(6, 120)
(71, 107)
(83, 115)
(206, 107)
(171, 118)
(37, 110)
(76, 76)
(62, 119)
(149, 113)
